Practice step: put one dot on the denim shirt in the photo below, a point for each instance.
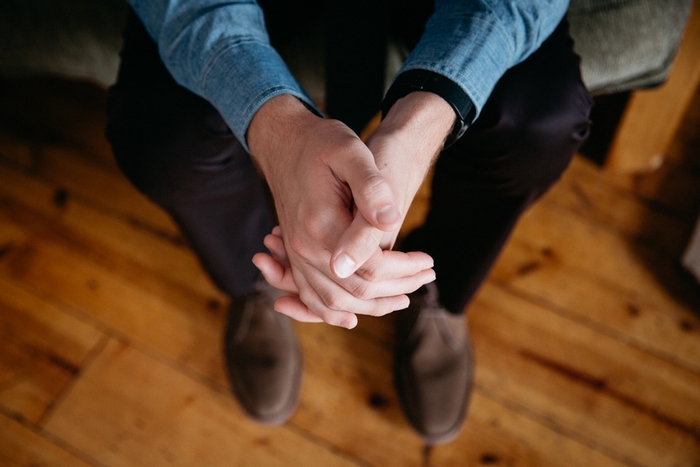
(220, 50)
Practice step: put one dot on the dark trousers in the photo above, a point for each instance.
(175, 147)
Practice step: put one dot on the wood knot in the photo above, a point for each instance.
(60, 197)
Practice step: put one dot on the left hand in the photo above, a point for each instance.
(404, 146)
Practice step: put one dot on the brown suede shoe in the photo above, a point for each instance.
(263, 357)
(433, 366)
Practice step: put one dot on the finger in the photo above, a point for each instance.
(275, 274)
(325, 298)
(357, 244)
(295, 309)
(310, 299)
(292, 306)
(276, 245)
(371, 192)
(387, 264)
(388, 288)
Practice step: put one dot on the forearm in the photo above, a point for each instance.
(473, 43)
(279, 125)
(408, 140)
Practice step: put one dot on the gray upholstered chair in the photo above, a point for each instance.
(626, 44)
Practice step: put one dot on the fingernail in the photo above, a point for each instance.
(404, 304)
(388, 214)
(344, 266)
(349, 323)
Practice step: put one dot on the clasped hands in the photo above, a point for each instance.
(340, 205)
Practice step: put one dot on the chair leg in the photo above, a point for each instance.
(652, 117)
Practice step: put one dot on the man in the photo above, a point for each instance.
(203, 98)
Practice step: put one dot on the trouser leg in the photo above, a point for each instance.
(175, 148)
(531, 126)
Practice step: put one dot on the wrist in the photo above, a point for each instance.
(414, 80)
(409, 139)
(280, 122)
(422, 119)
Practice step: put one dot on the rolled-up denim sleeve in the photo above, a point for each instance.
(220, 50)
(473, 43)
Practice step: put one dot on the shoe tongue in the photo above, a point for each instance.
(262, 287)
(431, 299)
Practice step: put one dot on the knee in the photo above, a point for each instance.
(523, 148)
(548, 138)
(170, 159)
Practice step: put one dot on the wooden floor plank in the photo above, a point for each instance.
(135, 282)
(586, 384)
(116, 304)
(674, 186)
(48, 269)
(348, 400)
(529, 443)
(602, 277)
(586, 336)
(671, 332)
(129, 410)
(95, 181)
(42, 209)
(42, 350)
(21, 446)
(174, 325)
(588, 192)
(566, 238)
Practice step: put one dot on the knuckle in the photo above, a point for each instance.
(296, 243)
(417, 284)
(335, 319)
(369, 240)
(370, 272)
(313, 225)
(361, 290)
(364, 242)
(299, 245)
(333, 302)
(377, 310)
(372, 186)
(382, 307)
(306, 297)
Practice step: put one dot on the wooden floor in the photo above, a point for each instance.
(587, 333)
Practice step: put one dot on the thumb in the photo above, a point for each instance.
(371, 193)
(376, 212)
(357, 244)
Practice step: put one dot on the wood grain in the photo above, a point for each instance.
(587, 335)
(131, 410)
(42, 350)
(590, 386)
(21, 446)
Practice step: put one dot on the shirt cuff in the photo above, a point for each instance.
(239, 91)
